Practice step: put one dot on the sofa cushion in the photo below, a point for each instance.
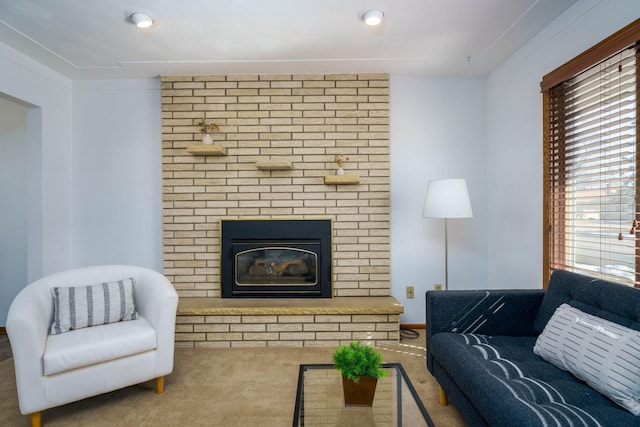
(498, 372)
(88, 346)
(602, 353)
(82, 306)
(607, 300)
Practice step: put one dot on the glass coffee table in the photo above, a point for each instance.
(320, 400)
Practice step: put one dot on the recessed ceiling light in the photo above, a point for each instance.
(373, 17)
(141, 20)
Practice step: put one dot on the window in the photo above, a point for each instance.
(590, 172)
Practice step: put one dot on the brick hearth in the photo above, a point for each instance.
(206, 322)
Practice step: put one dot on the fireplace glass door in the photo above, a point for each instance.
(276, 265)
(276, 258)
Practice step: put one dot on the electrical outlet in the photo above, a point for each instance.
(437, 286)
(410, 293)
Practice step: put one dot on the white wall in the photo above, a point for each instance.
(437, 131)
(117, 181)
(13, 205)
(514, 137)
(49, 134)
(48, 152)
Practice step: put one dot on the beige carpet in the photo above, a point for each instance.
(218, 387)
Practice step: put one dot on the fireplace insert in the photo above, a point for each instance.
(276, 258)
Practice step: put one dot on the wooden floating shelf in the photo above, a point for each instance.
(274, 165)
(207, 150)
(342, 179)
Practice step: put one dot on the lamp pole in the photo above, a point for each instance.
(446, 257)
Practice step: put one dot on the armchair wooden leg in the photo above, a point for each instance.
(160, 385)
(36, 419)
(443, 396)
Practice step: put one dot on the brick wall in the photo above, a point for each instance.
(305, 119)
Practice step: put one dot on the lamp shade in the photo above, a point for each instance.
(447, 198)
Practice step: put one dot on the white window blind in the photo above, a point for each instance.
(592, 163)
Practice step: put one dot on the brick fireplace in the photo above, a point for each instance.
(296, 125)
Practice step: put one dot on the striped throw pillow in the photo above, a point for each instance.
(84, 306)
(603, 354)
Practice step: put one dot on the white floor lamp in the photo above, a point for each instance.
(447, 198)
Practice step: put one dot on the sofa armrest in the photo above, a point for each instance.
(157, 302)
(488, 312)
(156, 299)
(28, 322)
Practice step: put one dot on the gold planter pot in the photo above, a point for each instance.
(360, 393)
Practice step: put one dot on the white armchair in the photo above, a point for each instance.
(94, 360)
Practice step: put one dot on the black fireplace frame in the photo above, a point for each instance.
(236, 233)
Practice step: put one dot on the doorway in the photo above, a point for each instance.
(13, 202)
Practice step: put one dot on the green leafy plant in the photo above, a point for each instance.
(357, 360)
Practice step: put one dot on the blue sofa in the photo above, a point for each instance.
(480, 350)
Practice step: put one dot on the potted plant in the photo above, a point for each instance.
(206, 129)
(361, 367)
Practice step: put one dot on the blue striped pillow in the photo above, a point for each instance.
(604, 354)
(84, 306)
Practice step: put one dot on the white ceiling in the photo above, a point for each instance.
(92, 39)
